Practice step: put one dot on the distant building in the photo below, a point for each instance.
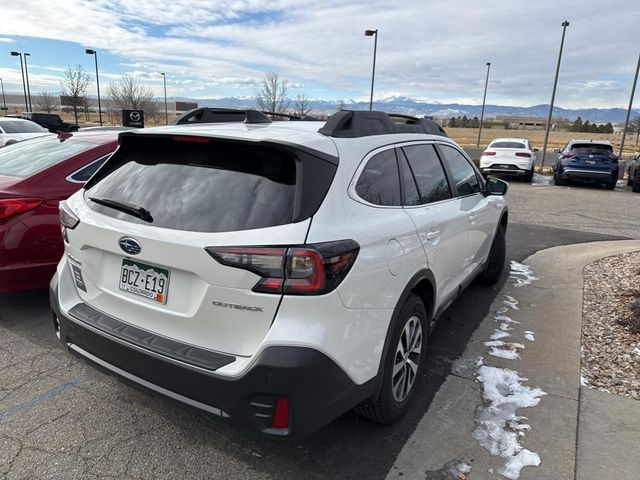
(523, 123)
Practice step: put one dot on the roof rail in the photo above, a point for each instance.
(221, 115)
(363, 123)
(291, 117)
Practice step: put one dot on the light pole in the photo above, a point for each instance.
(166, 114)
(18, 54)
(4, 99)
(564, 26)
(26, 74)
(484, 99)
(89, 51)
(373, 33)
(626, 122)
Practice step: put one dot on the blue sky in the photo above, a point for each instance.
(433, 50)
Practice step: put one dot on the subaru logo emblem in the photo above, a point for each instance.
(130, 245)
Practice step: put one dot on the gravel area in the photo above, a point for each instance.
(611, 325)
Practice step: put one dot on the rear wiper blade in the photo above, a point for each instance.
(134, 210)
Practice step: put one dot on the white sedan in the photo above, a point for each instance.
(14, 130)
(509, 156)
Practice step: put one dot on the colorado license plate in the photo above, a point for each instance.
(144, 280)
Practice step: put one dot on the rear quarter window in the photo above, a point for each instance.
(379, 181)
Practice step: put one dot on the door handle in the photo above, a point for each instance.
(432, 235)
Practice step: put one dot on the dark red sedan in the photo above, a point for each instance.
(35, 175)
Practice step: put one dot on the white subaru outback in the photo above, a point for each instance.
(277, 274)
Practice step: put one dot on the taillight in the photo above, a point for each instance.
(297, 270)
(10, 207)
(613, 157)
(523, 154)
(67, 217)
(487, 154)
(568, 154)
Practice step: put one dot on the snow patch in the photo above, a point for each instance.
(498, 334)
(636, 351)
(583, 380)
(541, 180)
(498, 428)
(507, 350)
(463, 364)
(521, 274)
(529, 336)
(510, 302)
(515, 464)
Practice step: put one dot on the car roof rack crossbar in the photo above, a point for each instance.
(291, 116)
(221, 115)
(364, 123)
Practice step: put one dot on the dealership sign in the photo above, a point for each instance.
(133, 118)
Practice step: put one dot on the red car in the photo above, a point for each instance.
(35, 175)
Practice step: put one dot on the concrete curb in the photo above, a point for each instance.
(552, 308)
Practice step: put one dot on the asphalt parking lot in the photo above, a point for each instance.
(60, 418)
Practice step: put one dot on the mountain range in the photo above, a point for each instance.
(409, 106)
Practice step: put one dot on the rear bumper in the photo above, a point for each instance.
(317, 389)
(504, 171)
(583, 175)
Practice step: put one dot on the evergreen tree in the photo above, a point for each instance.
(608, 128)
(586, 126)
(475, 123)
(577, 125)
(465, 122)
(452, 122)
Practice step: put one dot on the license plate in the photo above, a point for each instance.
(590, 162)
(145, 280)
(503, 166)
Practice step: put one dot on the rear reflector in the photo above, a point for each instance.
(523, 154)
(280, 417)
(569, 154)
(298, 270)
(487, 154)
(10, 207)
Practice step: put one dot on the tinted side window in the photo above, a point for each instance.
(85, 173)
(428, 172)
(379, 182)
(409, 187)
(464, 175)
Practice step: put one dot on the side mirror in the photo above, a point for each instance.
(536, 149)
(495, 186)
(557, 150)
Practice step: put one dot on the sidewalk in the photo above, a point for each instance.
(601, 430)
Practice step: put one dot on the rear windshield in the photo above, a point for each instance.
(202, 187)
(591, 149)
(508, 145)
(14, 126)
(25, 158)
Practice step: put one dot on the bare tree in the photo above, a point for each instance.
(635, 124)
(130, 94)
(301, 107)
(272, 95)
(74, 86)
(46, 102)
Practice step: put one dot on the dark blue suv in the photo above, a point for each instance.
(591, 161)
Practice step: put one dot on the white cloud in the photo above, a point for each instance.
(435, 49)
(6, 40)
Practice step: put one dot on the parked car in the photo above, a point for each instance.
(509, 157)
(633, 174)
(276, 274)
(588, 161)
(34, 176)
(50, 121)
(13, 130)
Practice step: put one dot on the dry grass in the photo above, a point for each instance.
(467, 137)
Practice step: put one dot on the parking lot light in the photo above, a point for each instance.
(484, 99)
(166, 114)
(373, 33)
(564, 26)
(626, 121)
(24, 88)
(90, 51)
(26, 75)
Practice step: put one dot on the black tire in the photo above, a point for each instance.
(384, 407)
(629, 178)
(558, 181)
(496, 260)
(611, 186)
(636, 184)
(528, 177)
